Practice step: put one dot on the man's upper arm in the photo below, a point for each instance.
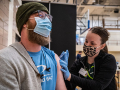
(8, 79)
(60, 85)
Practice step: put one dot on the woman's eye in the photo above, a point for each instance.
(86, 41)
(93, 44)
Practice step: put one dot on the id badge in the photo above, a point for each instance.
(83, 72)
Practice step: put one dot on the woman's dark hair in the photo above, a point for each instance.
(103, 33)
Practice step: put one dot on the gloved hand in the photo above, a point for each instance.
(64, 56)
(64, 69)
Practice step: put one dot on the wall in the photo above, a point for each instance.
(14, 29)
(117, 55)
(114, 39)
(5, 24)
(4, 14)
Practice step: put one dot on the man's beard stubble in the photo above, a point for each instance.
(36, 38)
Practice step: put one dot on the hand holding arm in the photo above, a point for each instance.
(65, 70)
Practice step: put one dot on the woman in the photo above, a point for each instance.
(96, 70)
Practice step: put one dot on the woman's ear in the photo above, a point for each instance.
(103, 45)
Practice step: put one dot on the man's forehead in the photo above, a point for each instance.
(37, 13)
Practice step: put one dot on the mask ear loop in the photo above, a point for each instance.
(27, 27)
(98, 50)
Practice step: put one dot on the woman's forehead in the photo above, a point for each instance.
(93, 37)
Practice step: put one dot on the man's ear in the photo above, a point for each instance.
(103, 45)
(24, 26)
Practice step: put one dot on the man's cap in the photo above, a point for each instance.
(24, 12)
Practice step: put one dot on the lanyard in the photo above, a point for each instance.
(90, 72)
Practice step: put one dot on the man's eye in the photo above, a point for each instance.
(40, 15)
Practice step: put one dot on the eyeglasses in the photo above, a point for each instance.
(43, 15)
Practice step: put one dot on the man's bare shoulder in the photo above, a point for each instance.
(57, 57)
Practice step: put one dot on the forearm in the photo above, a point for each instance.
(84, 83)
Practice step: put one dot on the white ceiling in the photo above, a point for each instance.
(96, 7)
(99, 7)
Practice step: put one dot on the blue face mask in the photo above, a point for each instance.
(43, 26)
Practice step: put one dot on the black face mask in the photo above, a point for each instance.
(90, 50)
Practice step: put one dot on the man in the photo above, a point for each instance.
(27, 65)
(79, 55)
